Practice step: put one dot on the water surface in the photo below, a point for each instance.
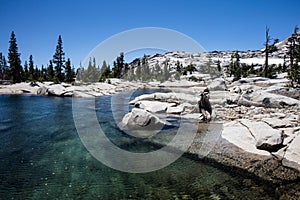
(42, 157)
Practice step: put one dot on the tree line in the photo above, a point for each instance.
(238, 70)
(58, 70)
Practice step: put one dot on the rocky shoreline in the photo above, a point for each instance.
(257, 119)
(260, 124)
(80, 90)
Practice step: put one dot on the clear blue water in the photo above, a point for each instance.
(42, 157)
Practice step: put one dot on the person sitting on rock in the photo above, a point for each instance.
(204, 105)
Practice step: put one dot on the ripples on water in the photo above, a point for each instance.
(42, 157)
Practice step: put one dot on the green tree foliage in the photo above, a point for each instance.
(146, 75)
(32, 74)
(219, 66)
(26, 72)
(50, 71)
(91, 74)
(37, 74)
(235, 66)
(179, 67)
(190, 68)
(59, 61)
(4, 70)
(294, 55)
(44, 75)
(166, 71)
(69, 72)
(14, 60)
(269, 48)
(138, 72)
(105, 72)
(119, 67)
(157, 73)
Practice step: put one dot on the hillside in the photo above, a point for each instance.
(211, 59)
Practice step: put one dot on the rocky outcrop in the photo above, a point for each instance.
(266, 99)
(141, 123)
(292, 154)
(154, 106)
(238, 134)
(217, 84)
(257, 136)
(68, 90)
(43, 91)
(266, 137)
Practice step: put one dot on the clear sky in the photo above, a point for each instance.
(216, 25)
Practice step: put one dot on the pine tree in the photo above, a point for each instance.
(43, 74)
(235, 66)
(179, 67)
(69, 73)
(59, 61)
(292, 46)
(145, 69)
(3, 67)
(105, 72)
(269, 48)
(119, 66)
(14, 60)
(294, 54)
(32, 76)
(138, 72)
(166, 71)
(26, 72)
(219, 66)
(37, 74)
(50, 71)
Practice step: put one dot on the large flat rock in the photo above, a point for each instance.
(237, 134)
(154, 106)
(266, 137)
(292, 154)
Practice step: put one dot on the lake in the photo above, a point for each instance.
(43, 157)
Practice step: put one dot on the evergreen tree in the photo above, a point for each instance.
(269, 48)
(26, 72)
(91, 74)
(166, 71)
(4, 71)
(118, 66)
(32, 76)
(105, 72)
(294, 54)
(37, 74)
(219, 65)
(178, 67)
(14, 60)
(43, 74)
(235, 66)
(50, 71)
(145, 69)
(69, 72)
(138, 72)
(59, 61)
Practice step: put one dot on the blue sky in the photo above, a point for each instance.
(216, 25)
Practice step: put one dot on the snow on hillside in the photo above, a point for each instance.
(211, 59)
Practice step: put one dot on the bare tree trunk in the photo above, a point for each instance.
(267, 51)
